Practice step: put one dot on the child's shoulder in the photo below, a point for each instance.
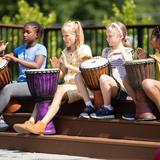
(21, 46)
(128, 49)
(38, 45)
(83, 49)
(106, 50)
(84, 46)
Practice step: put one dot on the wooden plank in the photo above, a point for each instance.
(81, 146)
(115, 128)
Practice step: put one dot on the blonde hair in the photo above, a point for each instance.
(121, 28)
(75, 28)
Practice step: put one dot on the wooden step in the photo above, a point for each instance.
(114, 139)
(74, 109)
(115, 128)
(95, 147)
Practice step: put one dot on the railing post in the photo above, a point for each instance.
(140, 36)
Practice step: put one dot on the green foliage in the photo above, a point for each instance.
(126, 14)
(29, 13)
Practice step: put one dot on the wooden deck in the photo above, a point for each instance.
(114, 139)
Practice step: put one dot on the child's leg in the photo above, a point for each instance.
(152, 90)
(33, 115)
(85, 95)
(22, 127)
(55, 105)
(39, 127)
(13, 89)
(82, 87)
(109, 89)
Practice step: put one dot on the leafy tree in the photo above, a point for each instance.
(28, 13)
(126, 14)
(149, 8)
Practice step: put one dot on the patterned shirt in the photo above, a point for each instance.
(117, 68)
(75, 58)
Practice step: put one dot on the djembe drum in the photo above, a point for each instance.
(5, 77)
(91, 71)
(43, 85)
(137, 71)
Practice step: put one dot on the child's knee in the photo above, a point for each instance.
(104, 78)
(6, 90)
(147, 83)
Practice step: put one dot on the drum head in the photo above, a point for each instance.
(140, 61)
(3, 63)
(95, 62)
(32, 71)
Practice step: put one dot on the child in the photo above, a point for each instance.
(31, 55)
(74, 53)
(111, 85)
(152, 87)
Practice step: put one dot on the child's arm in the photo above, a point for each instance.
(56, 64)
(34, 65)
(155, 57)
(127, 56)
(67, 65)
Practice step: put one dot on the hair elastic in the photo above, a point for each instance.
(119, 29)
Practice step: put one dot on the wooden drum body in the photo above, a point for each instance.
(137, 71)
(5, 77)
(91, 71)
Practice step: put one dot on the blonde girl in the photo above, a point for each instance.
(74, 53)
(111, 85)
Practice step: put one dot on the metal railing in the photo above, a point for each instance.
(95, 37)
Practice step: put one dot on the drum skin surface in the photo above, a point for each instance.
(92, 69)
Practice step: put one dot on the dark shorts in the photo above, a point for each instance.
(121, 94)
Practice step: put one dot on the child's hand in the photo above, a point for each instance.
(115, 52)
(141, 54)
(3, 45)
(54, 62)
(63, 60)
(10, 57)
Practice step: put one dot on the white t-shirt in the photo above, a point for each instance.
(117, 68)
